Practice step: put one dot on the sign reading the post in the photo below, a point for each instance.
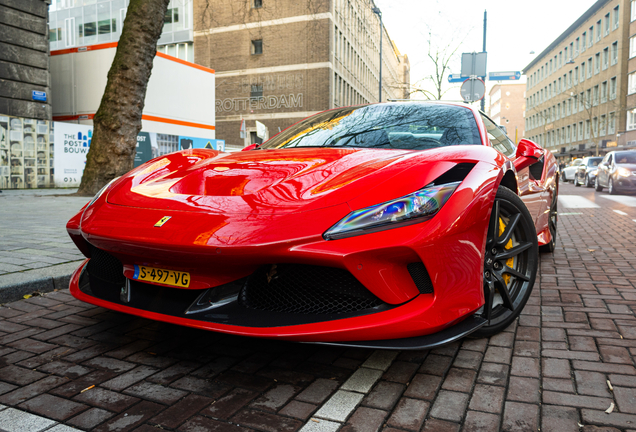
(473, 90)
(474, 64)
(505, 76)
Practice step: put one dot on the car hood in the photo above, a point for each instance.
(262, 181)
(631, 167)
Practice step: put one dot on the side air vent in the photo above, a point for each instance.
(455, 174)
(420, 277)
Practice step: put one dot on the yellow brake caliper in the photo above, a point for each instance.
(510, 261)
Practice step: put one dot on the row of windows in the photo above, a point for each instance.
(575, 104)
(602, 28)
(571, 79)
(78, 23)
(596, 128)
(345, 94)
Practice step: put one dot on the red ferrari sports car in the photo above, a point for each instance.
(393, 225)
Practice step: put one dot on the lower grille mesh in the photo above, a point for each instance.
(105, 266)
(305, 289)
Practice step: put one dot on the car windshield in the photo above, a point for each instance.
(626, 158)
(408, 126)
(594, 162)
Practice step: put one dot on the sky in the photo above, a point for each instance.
(514, 29)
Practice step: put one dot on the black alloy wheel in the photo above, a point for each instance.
(510, 263)
(611, 188)
(597, 185)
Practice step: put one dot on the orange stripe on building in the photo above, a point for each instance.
(144, 117)
(177, 122)
(114, 44)
(183, 62)
(85, 48)
(74, 117)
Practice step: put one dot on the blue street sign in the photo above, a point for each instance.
(38, 96)
(455, 78)
(504, 76)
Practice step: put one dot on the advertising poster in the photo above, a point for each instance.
(72, 142)
(186, 143)
(147, 148)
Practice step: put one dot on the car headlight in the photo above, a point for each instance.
(623, 172)
(416, 207)
(101, 191)
(593, 172)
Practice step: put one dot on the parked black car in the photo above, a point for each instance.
(586, 172)
(617, 172)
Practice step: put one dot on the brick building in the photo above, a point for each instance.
(507, 106)
(278, 61)
(24, 59)
(577, 88)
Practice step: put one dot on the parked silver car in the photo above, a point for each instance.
(617, 172)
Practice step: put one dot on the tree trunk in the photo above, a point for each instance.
(118, 119)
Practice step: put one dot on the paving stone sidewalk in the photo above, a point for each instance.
(36, 253)
(567, 360)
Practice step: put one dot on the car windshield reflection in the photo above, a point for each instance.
(406, 126)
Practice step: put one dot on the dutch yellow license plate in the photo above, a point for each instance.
(162, 276)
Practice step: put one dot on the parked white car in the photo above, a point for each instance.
(569, 172)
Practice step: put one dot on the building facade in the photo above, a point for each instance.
(278, 61)
(576, 93)
(24, 59)
(78, 23)
(507, 106)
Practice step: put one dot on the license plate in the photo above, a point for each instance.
(162, 276)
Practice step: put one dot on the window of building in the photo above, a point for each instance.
(603, 126)
(631, 120)
(257, 46)
(595, 95)
(604, 92)
(565, 54)
(631, 83)
(589, 67)
(616, 18)
(611, 124)
(582, 72)
(612, 89)
(614, 53)
(575, 103)
(567, 134)
(606, 24)
(605, 58)
(590, 37)
(583, 41)
(575, 77)
(256, 91)
(632, 47)
(257, 4)
(597, 63)
(598, 30)
(633, 10)
(587, 129)
(588, 98)
(550, 68)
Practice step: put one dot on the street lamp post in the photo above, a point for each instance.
(376, 10)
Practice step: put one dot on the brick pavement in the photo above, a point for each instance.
(551, 370)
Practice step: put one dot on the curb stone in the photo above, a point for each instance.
(14, 286)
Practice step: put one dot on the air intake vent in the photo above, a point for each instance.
(106, 267)
(420, 277)
(306, 289)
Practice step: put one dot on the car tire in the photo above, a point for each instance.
(512, 250)
(611, 188)
(597, 185)
(552, 225)
(587, 182)
(564, 178)
(576, 181)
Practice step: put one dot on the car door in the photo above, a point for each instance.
(529, 190)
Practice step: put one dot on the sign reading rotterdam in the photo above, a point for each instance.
(259, 103)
